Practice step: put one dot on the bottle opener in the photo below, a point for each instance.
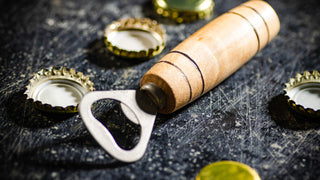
(191, 69)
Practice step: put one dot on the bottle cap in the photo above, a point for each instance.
(184, 10)
(135, 38)
(224, 170)
(303, 93)
(58, 89)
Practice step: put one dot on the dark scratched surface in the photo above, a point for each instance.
(244, 119)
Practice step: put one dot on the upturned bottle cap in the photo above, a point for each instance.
(303, 93)
(184, 10)
(58, 90)
(135, 38)
(225, 170)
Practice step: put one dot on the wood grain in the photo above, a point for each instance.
(213, 53)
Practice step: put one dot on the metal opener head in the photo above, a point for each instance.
(139, 106)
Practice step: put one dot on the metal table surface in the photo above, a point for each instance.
(245, 118)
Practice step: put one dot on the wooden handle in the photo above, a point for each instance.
(213, 53)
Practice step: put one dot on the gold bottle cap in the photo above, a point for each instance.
(184, 10)
(227, 170)
(303, 93)
(58, 89)
(135, 38)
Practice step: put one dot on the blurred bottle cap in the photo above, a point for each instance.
(184, 10)
(227, 170)
(135, 38)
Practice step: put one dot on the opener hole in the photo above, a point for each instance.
(125, 132)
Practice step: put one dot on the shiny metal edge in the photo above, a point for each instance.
(143, 24)
(306, 77)
(51, 73)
